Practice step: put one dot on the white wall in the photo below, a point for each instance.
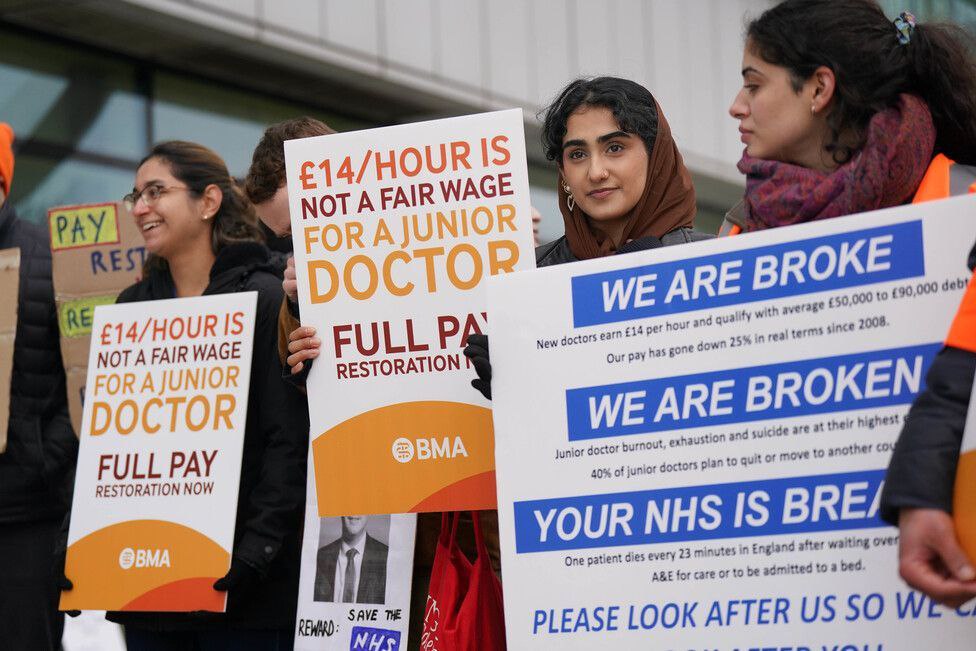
(504, 53)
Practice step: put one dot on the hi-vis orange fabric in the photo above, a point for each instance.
(6, 156)
(937, 182)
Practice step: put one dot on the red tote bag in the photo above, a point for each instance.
(464, 603)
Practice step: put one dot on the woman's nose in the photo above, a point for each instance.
(738, 109)
(140, 207)
(597, 170)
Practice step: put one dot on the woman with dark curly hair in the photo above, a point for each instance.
(842, 110)
(621, 176)
(622, 187)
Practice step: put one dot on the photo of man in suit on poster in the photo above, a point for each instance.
(352, 568)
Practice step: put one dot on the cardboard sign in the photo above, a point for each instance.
(396, 230)
(96, 252)
(699, 436)
(159, 462)
(9, 286)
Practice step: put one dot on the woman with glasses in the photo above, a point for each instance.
(202, 236)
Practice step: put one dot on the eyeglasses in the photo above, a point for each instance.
(149, 195)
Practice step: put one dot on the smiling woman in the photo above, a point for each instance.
(202, 236)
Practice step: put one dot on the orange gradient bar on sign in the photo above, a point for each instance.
(418, 456)
(964, 498)
(962, 335)
(145, 565)
(964, 503)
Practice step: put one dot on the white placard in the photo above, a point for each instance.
(159, 463)
(691, 441)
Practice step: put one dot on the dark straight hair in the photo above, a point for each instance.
(632, 106)
(872, 67)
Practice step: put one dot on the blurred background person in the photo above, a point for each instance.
(265, 186)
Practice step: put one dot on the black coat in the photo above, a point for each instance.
(558, 251)
(37, 470)
(271, 502)
(922, 469)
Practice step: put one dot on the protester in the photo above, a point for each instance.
(37, 468)
(265, 186)
(203, 238)
(622, 182)
(844, 111)
(621, 176)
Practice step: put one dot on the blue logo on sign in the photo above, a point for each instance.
(374, 639)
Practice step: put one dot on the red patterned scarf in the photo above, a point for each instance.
(884, 173)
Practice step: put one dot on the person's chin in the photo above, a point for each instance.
(606, 213)
(154, 246)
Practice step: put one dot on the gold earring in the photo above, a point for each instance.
(570, 201)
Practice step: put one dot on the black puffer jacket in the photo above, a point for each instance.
(558, 251)
(271, 502)
(37, 470)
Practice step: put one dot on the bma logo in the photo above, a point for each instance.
(424, 449)
(403, 450)
(129, 558)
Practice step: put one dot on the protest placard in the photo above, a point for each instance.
(395, 231)
(159, 462)
(691, 442)
(9, 285)
(96, 252)
(359, 602)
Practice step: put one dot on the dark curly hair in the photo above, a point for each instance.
(632, 106)
(872, 68)
(267, 171)
(199, 167)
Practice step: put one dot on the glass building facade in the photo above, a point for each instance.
(83, 120)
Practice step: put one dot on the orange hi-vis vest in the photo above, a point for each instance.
(943, 179)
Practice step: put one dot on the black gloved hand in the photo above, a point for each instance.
(240, 578)
(63, 582)
(477, 352)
